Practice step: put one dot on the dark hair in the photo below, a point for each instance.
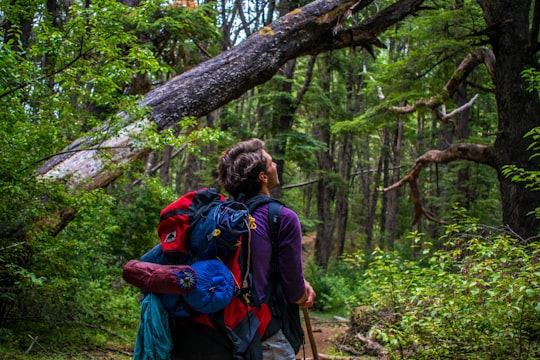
(239, 168)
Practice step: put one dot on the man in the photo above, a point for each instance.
(245, 171)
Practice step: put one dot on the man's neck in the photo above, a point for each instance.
(264, 190)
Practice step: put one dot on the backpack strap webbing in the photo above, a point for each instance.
(274, 211)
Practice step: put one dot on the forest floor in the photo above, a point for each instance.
(325, 333)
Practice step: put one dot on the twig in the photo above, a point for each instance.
(12, 245)
(370, 346)
(35, 341)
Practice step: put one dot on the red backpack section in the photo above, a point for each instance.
(176, 219)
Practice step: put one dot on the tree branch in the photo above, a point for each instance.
(443, 116)
(462, 151)
(309, 76)
(467, 65)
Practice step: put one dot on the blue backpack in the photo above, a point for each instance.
(204, 230)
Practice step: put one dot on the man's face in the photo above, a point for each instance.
(271, 171)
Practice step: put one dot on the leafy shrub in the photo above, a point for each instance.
(477, 299)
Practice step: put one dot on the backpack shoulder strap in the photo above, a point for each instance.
(274, 212)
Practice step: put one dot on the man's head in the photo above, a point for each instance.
(246, 168)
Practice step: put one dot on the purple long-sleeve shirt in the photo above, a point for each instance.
(289, 253)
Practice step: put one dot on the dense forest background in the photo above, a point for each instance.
(410, 155)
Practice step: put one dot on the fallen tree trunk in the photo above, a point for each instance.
(315, 28)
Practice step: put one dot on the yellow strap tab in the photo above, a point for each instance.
(217, 232)
(252, 224)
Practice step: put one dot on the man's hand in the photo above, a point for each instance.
(309, 297)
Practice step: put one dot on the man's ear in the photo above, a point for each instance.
(262, 177)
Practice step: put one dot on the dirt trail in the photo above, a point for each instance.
(324, 333)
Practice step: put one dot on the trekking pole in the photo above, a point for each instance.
(310, 334)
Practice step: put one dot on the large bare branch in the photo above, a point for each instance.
(309, 30)
(467, 65)
(463, 151)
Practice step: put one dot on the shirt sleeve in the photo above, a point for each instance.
(290, 255)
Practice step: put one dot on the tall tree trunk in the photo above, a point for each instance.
(191, 179)
(393, 197)
(284, 108)
(341, 212)
(373, 198)
(365, 165)
(324, 240)
(386, 163)
(515, 49)
(325, 190)
(345, 157)
(284, 119)
(421, 148)
(165, 169)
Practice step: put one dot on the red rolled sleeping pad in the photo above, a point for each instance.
(160, 279)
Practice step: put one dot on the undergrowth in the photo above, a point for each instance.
(477, 298)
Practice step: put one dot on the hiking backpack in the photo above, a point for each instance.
(207, 238)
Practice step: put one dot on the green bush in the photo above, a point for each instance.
(479, 298)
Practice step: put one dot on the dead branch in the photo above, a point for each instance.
(305, 183)
(467, 65)
(462, 151)
(333, 357)
(470, 152)
(422, 103)
(371, 347)
(443, 116)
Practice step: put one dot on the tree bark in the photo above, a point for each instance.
(515, 48)
(164, 172)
